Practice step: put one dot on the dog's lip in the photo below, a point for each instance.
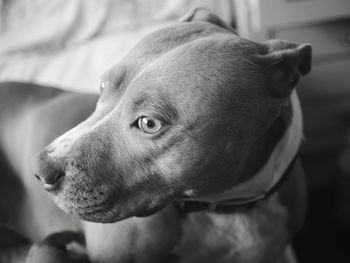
(151, 211)
(93, 206)
(99, 215)
(104, 213)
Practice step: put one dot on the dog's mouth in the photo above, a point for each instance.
(151, 211)
(99, 213)
(102, 211)
(106, 213)
(101, 204)
(84, 199)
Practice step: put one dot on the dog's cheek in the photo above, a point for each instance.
(181, 166)
(171, 165)
(197, 169)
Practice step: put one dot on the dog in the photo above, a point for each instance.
(189, 154)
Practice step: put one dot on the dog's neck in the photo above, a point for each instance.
(257, 185)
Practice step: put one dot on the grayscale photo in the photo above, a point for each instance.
(174, 131)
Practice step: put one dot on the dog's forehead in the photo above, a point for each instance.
(199, 80)
(196, 39)
(156, 44)
(204, 53)
(163, 41)
(187, 58)
(168, 38)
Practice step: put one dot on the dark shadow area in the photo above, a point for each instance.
(324, 237)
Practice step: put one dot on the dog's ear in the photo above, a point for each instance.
(284, 62)
(202, 14)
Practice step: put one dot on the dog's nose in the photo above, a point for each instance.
(51, 178)
(48, 171)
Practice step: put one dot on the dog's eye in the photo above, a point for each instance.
(149, 125)
(102, 86)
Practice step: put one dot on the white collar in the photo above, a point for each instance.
(282, 155)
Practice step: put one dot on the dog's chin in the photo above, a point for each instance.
(114, 215)
(110, 211)
(151, 211)
(103, 217)
(95, 213)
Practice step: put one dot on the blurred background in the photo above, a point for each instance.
(69, 44)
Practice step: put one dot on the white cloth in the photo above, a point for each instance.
(69, 44)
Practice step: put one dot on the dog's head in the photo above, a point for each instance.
(178, 117)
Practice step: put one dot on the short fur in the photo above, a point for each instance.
(224, 103)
